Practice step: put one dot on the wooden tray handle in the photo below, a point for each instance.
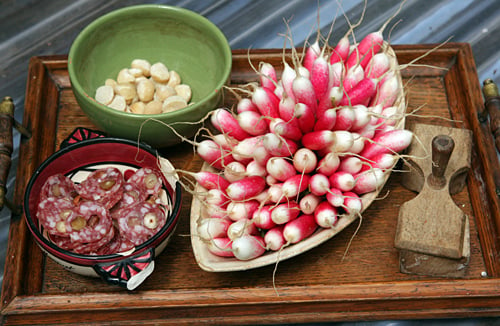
(492, 108)
(7, 122)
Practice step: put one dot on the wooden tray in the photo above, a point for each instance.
(315, 287)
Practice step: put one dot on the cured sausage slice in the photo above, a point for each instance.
(115, 245)
(59, 186)
(147, 179)
(103, 186)
(132, 194)
(52, 213)
(140, 222)
(92, 248)
(90, 222)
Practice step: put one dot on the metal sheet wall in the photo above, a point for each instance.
(29, 28)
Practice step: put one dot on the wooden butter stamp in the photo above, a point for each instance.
(432, 233)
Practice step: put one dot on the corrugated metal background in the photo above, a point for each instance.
(30, 28)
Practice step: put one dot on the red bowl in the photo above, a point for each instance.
(75, 160)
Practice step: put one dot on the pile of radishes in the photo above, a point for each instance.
(302, 150)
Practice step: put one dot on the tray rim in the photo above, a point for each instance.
(478, 297)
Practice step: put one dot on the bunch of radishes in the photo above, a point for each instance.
(299, 153)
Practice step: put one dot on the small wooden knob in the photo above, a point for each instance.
(442, 147)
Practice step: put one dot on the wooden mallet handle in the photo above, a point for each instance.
(442, 147)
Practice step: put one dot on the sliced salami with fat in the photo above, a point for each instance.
(52, 213)
(148, 179)
(59, 186)
(115, 245)
(140, 222)
(90, 222)
(132, 195)
(103, 186)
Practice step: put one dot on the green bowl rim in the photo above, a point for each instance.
(94, 24)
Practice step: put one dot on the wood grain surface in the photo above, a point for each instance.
(329, 283)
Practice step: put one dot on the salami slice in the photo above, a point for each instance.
(116, 245)
(103, 186)
(147, 179)
(62, 242)
(92, 248)
(132, 195)
(59, 186)
(140, 222)
(52, 213)
(90, 222)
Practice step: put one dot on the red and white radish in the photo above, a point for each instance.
(217, 197)
(226, 123)
(210, 228)
(365, 50)
(295, 185)
(239, 210)
(280, 168)
(266, 101)
(220, 247)
(246, 188)
(342, 180)
(275, 193)
(285, 212)
(335, 197)
(261, 218)
(268, 77)
(235, 171)
(240, 228)
(286, 108)
(329, 164)
(244, 150)
(288, 130)
(316, 140)
(277, 146)
(210, 180)
(344, 119)
(246, 104)
(369, 180)
(299, 228)
(378, 65)
(214, 154)
(382, 161)
(248, 247)
(274, 239)
(305, 160)
(341, 51)
(326, 215)
(308, 203)
(320, 76)
(255, 168)
(304, 91)
(351, 164)
(305, 117)
(319, 184)
(253, 123)
(326, 121)
(352, 203)
(388, 142)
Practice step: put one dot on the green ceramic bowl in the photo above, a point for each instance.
(183, 40)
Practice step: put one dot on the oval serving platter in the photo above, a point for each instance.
(212, 263)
